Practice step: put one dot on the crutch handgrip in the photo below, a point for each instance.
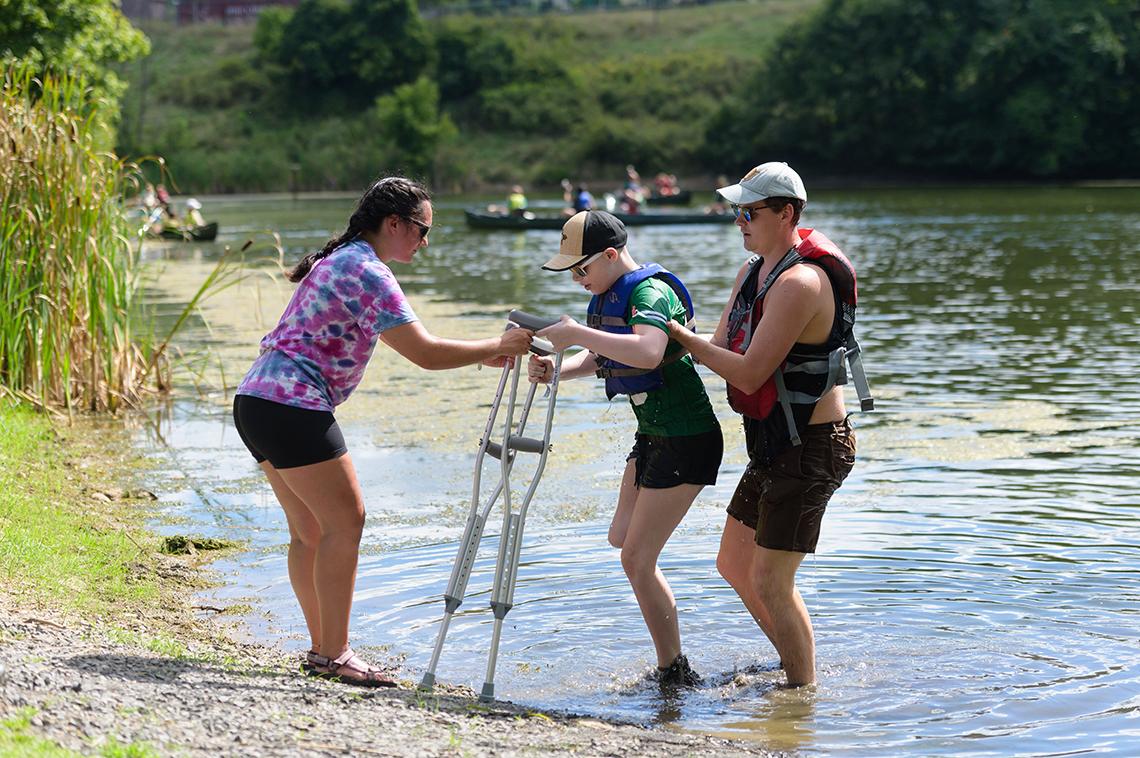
(526, 444)
(538, 346)
(495, 450)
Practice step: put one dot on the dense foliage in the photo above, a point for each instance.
(992, 89)
(346, 52)
(979, 88)
(81, 37)
(69, 283)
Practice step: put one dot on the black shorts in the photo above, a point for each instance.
(784, 502)
(663, 462)
(285, 435)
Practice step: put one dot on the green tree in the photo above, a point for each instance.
(81, 37)
(337, 52)
(971, 87)
(410, 120)
(270, 31)
(311, 46)
(390, 43)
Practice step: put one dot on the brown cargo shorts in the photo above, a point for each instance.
(784, 502)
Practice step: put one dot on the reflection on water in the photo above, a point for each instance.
(976, 587)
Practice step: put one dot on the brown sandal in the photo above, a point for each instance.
(314, 663)
(349, 668)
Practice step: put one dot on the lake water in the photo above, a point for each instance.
(977, 585)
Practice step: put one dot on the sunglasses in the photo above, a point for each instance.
(580, 269)
(424, 228)
(739, 210)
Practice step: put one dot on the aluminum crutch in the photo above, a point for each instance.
(513, 442)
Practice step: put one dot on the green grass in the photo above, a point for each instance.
(735, 30)
(16, 741)
(58, 545)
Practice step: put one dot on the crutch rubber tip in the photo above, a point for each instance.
(427, 682)
(488, 693)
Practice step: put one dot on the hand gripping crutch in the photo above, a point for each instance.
(510, 541)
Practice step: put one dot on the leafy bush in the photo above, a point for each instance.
(980, 88)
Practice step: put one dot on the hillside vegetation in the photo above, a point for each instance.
(330, 94)
(520, 99)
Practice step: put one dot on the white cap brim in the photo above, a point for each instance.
(738, 195)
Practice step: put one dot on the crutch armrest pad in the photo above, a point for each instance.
(528, 321)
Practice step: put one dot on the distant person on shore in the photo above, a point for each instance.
(780, 340)
(346, 300)
(677, 447)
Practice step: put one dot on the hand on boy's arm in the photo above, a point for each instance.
(689, 339)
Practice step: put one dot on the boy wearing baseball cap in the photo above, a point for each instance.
(678, 445)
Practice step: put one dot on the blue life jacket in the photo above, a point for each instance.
(607, 313)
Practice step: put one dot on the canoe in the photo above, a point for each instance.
(480, 220)
(684, 197)
(204, 233)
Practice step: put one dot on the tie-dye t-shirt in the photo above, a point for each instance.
(317, 354)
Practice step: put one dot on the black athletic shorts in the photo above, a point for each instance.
(285, 435)
(663, 462)
(784, 502)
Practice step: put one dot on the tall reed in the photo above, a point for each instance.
(69, 279)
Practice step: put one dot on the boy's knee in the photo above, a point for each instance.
(731, 571)
(636, 563)
(616, 537)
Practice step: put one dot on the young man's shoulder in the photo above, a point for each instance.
(803, 286)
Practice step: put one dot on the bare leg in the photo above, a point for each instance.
(774, 581)
(627, 498)
(656, 515)
(304, 536)
(332, 494)
(738, 552)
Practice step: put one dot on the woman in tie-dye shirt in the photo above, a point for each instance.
(309, 364)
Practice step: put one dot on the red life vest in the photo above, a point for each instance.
(748, 306)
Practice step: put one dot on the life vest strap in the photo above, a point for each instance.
(862, 387)
(597, 321)
(835, 366)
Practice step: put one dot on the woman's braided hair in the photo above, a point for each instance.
(390, 196)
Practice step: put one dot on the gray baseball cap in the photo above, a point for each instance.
(773, 179)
